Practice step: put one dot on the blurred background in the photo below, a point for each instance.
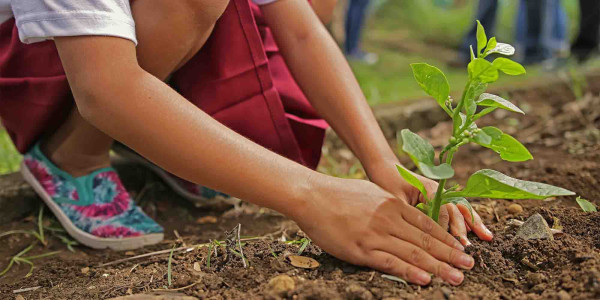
(382, 37)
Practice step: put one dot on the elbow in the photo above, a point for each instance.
(96, 95)
(88, 103)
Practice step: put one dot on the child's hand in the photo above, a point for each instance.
(456, 218)
(357, 221)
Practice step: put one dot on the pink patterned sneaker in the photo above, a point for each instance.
(195, 193)
(94, 209)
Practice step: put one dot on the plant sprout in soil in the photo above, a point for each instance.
(473, 105)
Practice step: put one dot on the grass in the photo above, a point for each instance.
(39, 235)
(169, 269)
(303, 242)
(9, 157)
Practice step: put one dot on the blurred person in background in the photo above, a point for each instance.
(355, 21)
(541, 30)
(588, 38)
(487, 12)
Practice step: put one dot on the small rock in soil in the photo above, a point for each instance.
(447, 292)
(438, 295)
(19, 297)
(303, 262)
(355, 291)
(515, 209)
(280, 266)
(281, 285)
(535, 228)
(563, 295)
(207, 220)
(535, 278)
(85, 270)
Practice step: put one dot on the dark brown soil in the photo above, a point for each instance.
(562, 134)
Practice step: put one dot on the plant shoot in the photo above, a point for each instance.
(473, 104)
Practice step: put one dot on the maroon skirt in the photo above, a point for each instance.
(238, 77)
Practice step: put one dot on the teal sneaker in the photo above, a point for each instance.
(95, 209)
(197, 194)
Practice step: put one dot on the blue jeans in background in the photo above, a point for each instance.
(355, 20)
(486, 14)
(541, 30)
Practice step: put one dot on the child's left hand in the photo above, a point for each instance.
(456, 218)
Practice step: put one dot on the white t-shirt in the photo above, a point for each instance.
(39, 20)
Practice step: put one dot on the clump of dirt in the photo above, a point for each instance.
(561, 133)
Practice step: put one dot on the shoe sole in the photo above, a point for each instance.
(81, 236)
(198, 201)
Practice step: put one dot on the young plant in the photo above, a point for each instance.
(473, 104)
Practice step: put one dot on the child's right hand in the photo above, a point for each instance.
(357, 221)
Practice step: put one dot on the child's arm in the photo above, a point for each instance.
(352, 219)
(322, 72)
(324, 9)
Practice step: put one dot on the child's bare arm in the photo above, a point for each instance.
(352, 219)
(324, 9)
(117, 96)
(326, 78)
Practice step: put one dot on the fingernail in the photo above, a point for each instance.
(487, 231)
(423, 278)
(456, 277)
(467, 242)
(466, 261)
(459, 246)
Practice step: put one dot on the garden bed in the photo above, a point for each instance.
(562, 134)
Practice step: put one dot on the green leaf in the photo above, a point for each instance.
(501, 48)
(424, 208)
(508, 66)
(460, 200)
(508, 147)
(586, 205)
(481, 38)
(490, 45)
(483, 112)
(491, 100)
(416, 147)
(461, 121)
(482, 138)
(482, 70)
(493, 184)
(475, 90)
(443, 171)
(422, 154)
(433, 82)
(472, 53)
(412, 180)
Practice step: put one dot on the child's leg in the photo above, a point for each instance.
(169, 34)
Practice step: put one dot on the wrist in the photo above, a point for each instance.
(380, 163)
(304, 195)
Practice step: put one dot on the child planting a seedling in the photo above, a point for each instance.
(483, 183)
(237, 117)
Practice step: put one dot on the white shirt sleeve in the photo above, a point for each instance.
(39, 20)
(263, 2)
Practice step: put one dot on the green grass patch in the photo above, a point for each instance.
(9, 157)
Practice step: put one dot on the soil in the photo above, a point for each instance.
(562, 134)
